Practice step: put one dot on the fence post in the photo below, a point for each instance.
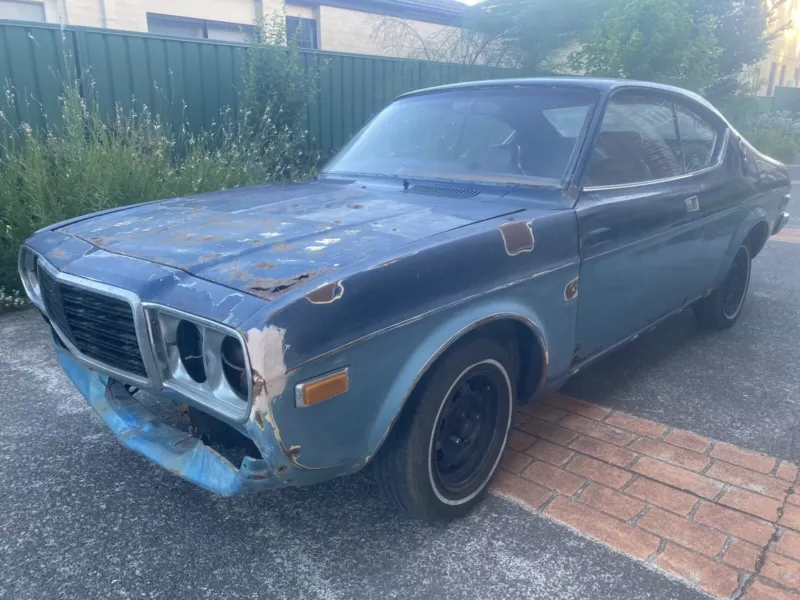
(81, 59)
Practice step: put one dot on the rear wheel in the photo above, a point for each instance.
(446, 446)
(721, 309)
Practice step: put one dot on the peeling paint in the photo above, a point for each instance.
(315, 248)
(265, 347)
(265, 266)
(269, 289)
(283, 247)
(571, 291)
(517, 237)
(326, 294)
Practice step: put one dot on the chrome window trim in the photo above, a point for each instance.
(622, 186)
(152, 380)
(300, 387)
(185, 390)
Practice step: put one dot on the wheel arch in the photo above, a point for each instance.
(754, 229)
(757, 237)
(531, 353)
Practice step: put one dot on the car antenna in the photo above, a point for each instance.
(405, 184)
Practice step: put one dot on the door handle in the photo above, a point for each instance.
(692, 204)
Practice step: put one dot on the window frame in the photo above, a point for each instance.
(710, 120)
(720, 149)
(37, 3)
(300, 22)
(203, 23)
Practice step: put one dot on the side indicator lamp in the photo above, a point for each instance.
(322, 388)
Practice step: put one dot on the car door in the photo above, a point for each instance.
(724, 183)
(636, 223)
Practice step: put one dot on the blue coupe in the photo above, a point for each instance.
(470, 249)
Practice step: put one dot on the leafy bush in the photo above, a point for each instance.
(92, 161)
(275, 81)
(776, 134)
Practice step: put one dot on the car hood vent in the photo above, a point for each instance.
(443, 191)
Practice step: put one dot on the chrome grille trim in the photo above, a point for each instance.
(61, 326)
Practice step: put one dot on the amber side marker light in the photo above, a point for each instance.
(322, 388)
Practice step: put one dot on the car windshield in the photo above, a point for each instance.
(510, 134)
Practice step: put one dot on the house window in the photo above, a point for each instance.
(198, 28)
(22, 11)
(302, 31)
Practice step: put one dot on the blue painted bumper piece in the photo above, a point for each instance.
(175, 450)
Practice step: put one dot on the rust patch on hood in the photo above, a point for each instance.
(209, 257)
(283, 247)
(325, 294)
(269, 289)
(517, 237)
(265, 266)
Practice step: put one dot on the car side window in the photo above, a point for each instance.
(638, 142)
(699, 138)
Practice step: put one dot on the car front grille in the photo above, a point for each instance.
(99, 326)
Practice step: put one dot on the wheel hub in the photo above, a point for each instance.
(465, 431)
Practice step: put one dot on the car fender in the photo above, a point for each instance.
(755, 216)
(442, 337)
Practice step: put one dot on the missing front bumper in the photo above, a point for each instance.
(175, 450)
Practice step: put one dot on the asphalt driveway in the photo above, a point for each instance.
(741, 385)
(81, 517)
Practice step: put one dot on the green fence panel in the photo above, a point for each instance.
(190, 82)
(786, 99)
(35, 62)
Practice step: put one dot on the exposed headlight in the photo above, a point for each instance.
(30, 276)
(204, 360)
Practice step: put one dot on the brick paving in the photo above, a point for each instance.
(788, 235)
(722, 517)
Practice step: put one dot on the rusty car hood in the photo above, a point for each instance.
(266, 240)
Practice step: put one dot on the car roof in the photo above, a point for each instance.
(600, 84)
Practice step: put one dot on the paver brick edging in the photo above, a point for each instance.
(724, 518)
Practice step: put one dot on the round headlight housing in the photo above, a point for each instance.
(234, 367)
(189, 342)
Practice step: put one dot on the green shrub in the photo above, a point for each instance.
(93, 163)
(775, 134)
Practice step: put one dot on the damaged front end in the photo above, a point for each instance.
(113, 345)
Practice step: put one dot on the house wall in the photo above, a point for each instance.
(343, 30)
(784, 57)
(338, 29)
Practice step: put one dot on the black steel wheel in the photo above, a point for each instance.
(722, 308)
(465, 439)
(447, 444)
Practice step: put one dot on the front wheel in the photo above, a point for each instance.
(446, 446)
(721, 309)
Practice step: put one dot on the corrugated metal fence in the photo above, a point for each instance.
(189, 80)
